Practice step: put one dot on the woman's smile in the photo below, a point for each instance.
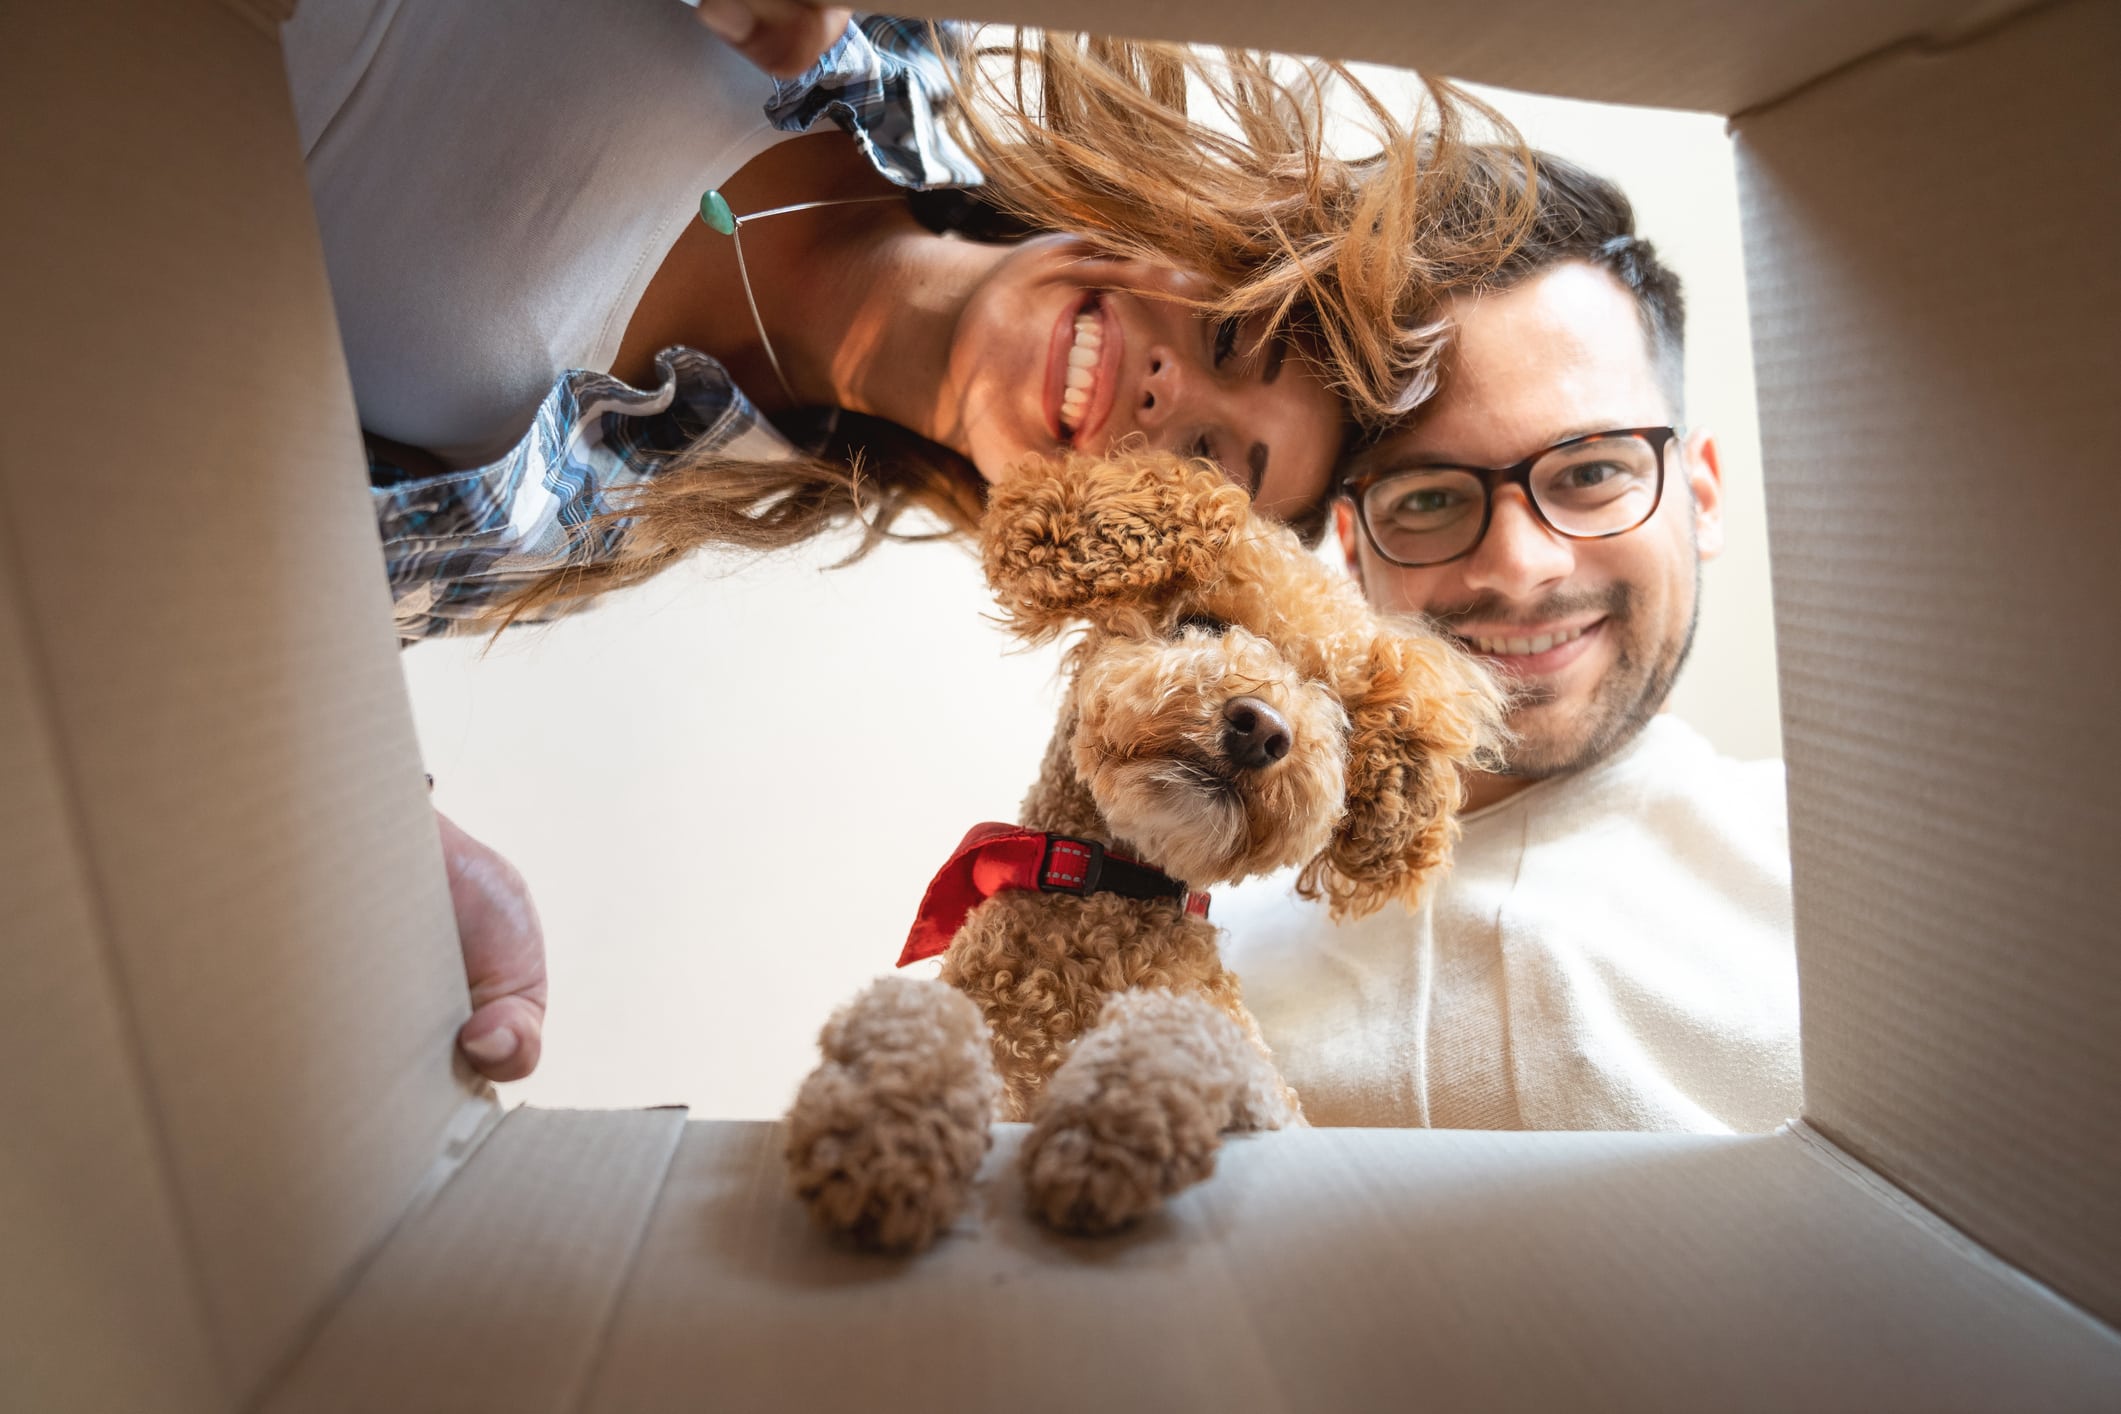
(1083, 363)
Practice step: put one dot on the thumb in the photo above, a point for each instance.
(783, 37)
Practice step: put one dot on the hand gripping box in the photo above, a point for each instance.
(237, 1169)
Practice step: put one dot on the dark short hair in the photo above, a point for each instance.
(1581, 216)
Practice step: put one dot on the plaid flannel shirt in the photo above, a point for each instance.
(458, 542)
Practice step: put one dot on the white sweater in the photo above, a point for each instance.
(1612, 950)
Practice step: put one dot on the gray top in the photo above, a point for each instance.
(497, 183)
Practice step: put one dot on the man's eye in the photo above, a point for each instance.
(1225, 339)
(1429, 501)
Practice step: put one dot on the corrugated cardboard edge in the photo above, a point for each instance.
(1942, 38)
(119, 1315)
(213, 649)
(1934, 295)
(1939, 1228)
(465, 1134)
(521, 1256)
(1352, 1270)
(468, 1132)
(1718, 56)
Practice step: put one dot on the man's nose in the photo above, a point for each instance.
(1519, 555)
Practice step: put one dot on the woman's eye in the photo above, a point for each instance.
(1225, 339)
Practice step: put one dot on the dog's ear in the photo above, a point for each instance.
(1419, 711)
(1105, 541)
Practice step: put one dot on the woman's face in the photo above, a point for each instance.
(1059, 348)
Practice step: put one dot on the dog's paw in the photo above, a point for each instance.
(887, 1134)
(1080, 1177)
(1137, 1112)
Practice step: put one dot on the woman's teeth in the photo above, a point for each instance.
(1525, 647)
(1082, 370)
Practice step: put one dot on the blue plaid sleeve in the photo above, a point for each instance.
(457, 544)
(884, 83)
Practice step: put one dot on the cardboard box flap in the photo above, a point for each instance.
(98, 1309)
(1937, 326)
(1718, 56)
(518, 1262)
(196, 566)
(1356, 1269)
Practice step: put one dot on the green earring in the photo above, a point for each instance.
(716, 213)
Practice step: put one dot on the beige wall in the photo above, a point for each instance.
(729, 788)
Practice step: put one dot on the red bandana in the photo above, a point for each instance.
(992, 858)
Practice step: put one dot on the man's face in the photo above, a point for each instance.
(1556, 357)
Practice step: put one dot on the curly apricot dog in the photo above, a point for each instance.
(1234, 707)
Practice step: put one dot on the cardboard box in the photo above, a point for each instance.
(240, 1172)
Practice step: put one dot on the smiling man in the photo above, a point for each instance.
(1613, 948)
(1549, 513)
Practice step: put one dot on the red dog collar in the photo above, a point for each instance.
(992, 858)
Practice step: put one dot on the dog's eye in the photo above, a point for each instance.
(1206, 623)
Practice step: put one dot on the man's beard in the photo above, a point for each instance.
(1632, 691)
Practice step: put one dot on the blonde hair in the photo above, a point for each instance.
(1347, 257)
(1104, 138)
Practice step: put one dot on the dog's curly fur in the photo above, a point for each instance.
(1111, 1023)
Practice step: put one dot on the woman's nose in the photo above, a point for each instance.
(1162, 390)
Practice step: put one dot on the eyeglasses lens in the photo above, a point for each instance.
(1600, 487)
(1424, 516)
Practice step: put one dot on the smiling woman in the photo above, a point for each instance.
(656, 386)
(992, 352)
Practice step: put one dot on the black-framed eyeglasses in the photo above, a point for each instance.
(1587, 488)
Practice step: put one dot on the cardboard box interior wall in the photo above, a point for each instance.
(240, 1172)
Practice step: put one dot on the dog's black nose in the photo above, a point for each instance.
(1254, 734)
